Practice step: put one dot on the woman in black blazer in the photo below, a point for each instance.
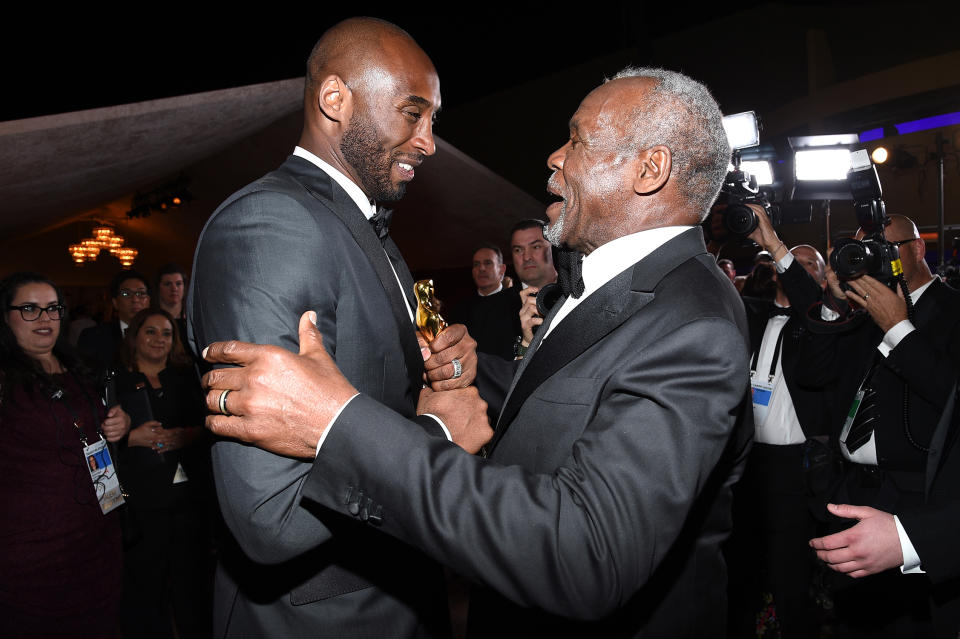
(165, 470)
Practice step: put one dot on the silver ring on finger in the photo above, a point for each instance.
(222, 403)
(866, 296)
(457, 368)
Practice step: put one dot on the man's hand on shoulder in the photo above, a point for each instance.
(462, 412)
(453, 342)
(277, 400)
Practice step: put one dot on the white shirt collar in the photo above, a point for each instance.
(356, 194)
(915, 295)
(499, 288)
(611, 259)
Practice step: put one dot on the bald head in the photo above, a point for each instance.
(901, 231)
(901, 228)
(370, 98)
(358, 50)
(811, 260)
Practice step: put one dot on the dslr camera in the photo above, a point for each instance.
(739, 187)
(873, 255)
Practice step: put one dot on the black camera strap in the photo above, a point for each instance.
(776, 357)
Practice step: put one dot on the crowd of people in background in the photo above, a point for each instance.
(53, 407)
(843, 519)
(108, 503)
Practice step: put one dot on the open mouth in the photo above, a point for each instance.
(407, 169)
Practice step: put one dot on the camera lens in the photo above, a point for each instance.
(740, 219)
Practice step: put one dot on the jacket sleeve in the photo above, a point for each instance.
(262, 262)
(582, 539)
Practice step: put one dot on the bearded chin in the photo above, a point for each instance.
(554, 230)
(363, 149)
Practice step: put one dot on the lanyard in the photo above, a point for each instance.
(58, 395)
(776, 357)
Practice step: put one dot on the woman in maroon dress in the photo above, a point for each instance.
(60, 556)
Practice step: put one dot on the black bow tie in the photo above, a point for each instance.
(381, 222)
(570, 272)
(780, 310)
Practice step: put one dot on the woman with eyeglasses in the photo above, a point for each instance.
(60, 549)
(165, 470)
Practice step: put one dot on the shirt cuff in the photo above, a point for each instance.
(784, 262)
(911, 560)
(899, 330)
(442, 426)
(329, 427)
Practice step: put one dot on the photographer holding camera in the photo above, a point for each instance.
(772, 517)
(896, 373)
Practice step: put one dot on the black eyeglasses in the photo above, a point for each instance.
(902, 242)
(124, 292)
(32, 312)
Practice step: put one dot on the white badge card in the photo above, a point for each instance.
(104, 475)
(761, 391)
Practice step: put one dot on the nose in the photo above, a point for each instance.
(555, 161)
(423, 137)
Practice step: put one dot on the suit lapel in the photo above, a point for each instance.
(325, 190)
(939, 441)
(594, 318)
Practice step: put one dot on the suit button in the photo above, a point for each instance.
(353, 507)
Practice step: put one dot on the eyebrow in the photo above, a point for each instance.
(422, 102)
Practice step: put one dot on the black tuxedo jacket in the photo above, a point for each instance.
(494, 321)
(602, 507)
(290, 242)
(934, 526)
(923, 369)
(101, 343)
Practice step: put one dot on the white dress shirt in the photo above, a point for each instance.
(369, 209)
(611, 259)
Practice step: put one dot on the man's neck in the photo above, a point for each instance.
(781, 299)
(174, 309)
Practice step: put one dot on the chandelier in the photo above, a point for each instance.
(103, 239)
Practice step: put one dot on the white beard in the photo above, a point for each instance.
(554, 230)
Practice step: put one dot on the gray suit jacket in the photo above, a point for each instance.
(290, 242)
(607, 493)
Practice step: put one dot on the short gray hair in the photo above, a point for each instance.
(681, 114)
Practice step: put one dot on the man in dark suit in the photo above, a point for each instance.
(492, 315)
(606, 493)
(874, 544)
(298, 239)
(772, 514)
(130, 292)
(896, 373)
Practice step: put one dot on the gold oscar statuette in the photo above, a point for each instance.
(429, 321)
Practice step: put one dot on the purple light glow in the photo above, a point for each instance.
(932, 122)
(872, 134)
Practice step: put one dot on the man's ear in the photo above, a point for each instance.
(653, 170)
(335, 100)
